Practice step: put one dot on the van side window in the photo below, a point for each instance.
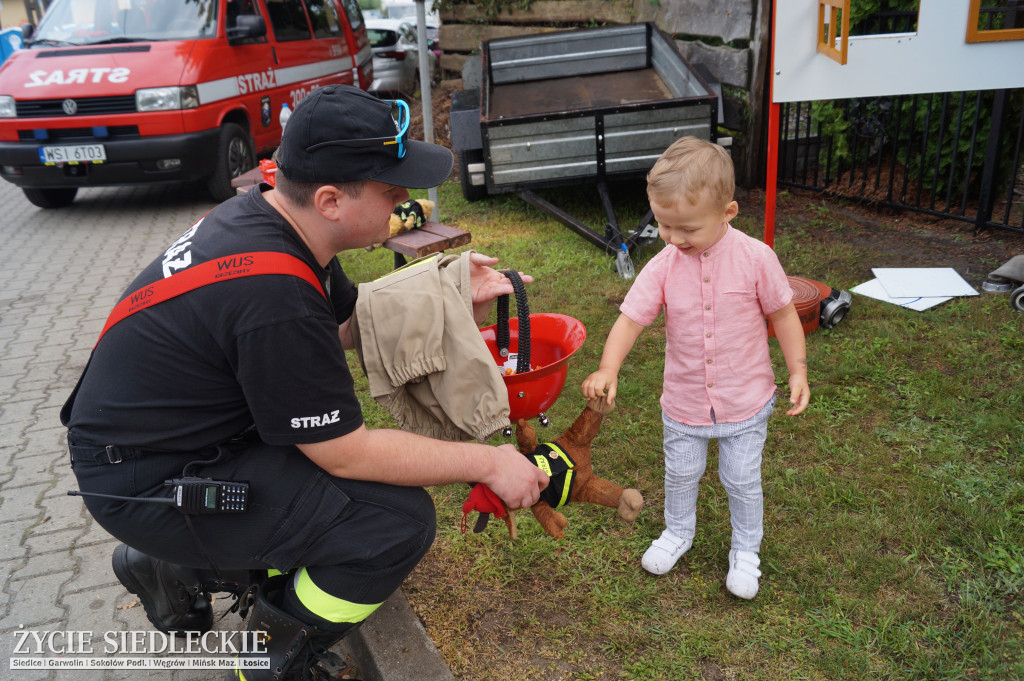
(324, 17)
(288, 19)
(237, 8)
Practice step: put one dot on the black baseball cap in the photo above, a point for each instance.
(340, 133)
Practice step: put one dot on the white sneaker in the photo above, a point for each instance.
(743, 573)
(664, 552)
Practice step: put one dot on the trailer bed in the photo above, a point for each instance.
(589, 91)
(578, 107)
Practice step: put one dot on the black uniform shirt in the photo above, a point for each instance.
(200, 368)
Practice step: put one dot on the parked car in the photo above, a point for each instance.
(407, 11)
(112, 92)
(396, 62)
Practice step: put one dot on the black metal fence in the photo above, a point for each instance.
(952, 155)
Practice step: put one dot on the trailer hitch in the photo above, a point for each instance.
(612, 240)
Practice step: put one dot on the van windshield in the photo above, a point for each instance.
(92, 22)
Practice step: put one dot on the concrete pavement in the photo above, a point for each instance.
(61, 272)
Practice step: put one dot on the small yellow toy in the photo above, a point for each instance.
(409, 215)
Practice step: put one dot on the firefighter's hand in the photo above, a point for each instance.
(487, 284)
(517, 481)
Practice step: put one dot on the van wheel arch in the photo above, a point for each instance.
(236, 154)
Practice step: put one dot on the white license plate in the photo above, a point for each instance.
(78, 153)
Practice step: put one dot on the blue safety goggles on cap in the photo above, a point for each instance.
(400, 114)
(340, 133)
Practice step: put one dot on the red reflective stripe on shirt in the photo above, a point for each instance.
(211, 272)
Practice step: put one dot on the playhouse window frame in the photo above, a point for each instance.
(978, 35)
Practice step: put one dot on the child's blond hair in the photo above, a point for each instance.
(690, 167)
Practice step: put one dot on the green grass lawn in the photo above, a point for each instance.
(894, 506)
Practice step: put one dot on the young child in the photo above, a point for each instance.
(716, 285)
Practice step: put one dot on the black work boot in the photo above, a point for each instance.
(171, 605)
(297, 650)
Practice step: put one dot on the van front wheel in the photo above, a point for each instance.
(53, 197)
(235, 155)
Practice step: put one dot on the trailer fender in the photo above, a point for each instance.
(464, 118)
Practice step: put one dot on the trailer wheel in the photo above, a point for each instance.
(1017, 299)
(52, 197)
(235, 155)
(471, 192)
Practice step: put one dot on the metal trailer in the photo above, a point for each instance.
(578, 107)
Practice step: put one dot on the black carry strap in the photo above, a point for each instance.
(502, 330)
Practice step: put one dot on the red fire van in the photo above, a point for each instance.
(113, 92)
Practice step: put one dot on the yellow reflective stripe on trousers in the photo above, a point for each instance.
(323, 604)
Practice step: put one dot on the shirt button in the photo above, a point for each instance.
(708, 334)
(707, 253)
(711, 385)
(707, 279)
(707, 307)
(709, 360)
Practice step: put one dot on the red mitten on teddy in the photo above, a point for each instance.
(482, 499)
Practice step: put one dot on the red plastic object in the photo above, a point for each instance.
(553, 340)
(269, 170)
(807, 295)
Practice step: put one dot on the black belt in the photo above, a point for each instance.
(108, 454)
(114, 454)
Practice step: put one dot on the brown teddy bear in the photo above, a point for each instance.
(567, 460)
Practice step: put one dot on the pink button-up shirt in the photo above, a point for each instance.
(716, 349)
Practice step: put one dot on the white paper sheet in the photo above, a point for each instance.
(922, 282)
(874, 289)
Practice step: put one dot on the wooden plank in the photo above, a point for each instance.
(456, 237)
(415, 243)
(540, 12)
(248, 178)
(430, 238)
(467, 37)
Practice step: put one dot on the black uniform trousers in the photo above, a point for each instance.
(357, 540)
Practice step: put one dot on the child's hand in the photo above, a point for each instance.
(799, 394)
(601, 383)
